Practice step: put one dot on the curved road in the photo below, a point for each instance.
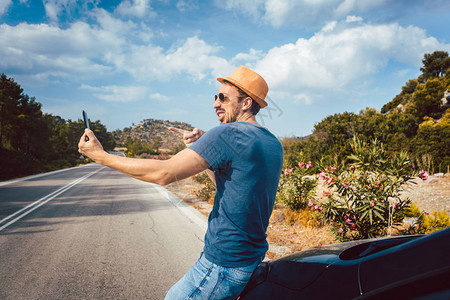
(93, 233)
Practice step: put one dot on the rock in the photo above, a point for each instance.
(412, 222)
(439, 175)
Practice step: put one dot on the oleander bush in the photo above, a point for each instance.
(297, 186)
(363, 196)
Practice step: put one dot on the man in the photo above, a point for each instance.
(245, 161)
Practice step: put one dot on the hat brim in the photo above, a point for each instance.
(262, 103)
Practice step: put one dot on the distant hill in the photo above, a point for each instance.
(149, 129)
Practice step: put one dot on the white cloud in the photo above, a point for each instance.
(349, 6)
(52, 10)
(135, 8)
(56, 8)
(4, 5)
(187, 5)
(123, 29)
(114, 93)
(108, 46)
(253, 55)
(317, 13)
(342, 57)
(42, 48)
(193, 57)
(330, 26)
(159, 97)
(351, 19)
(280, 12)
(251, 7)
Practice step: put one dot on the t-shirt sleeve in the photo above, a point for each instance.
(212, 147)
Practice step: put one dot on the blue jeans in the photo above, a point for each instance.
(206, 280)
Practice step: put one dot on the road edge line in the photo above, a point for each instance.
(193, 214)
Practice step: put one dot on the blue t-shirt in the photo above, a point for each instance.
(247, 161)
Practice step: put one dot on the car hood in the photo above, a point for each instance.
(300, 269)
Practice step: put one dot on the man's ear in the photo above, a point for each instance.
(247, 103)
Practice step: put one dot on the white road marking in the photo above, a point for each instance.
(38, 175)
(193, 214)
(31, 207)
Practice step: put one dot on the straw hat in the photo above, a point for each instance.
(250, 82)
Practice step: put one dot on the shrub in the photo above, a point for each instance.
(297, 186)
(425, 222)
(208, 188)
(363, 200)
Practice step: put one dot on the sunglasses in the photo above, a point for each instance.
(223, 99)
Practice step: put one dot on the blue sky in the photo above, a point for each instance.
(127, 60)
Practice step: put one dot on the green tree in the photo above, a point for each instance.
(136, 147)
(10, 95)
(105, 137)
(31, 132)
(435, 64)
(427, 98)
(330, 136)
(156, 144)
(433, 138)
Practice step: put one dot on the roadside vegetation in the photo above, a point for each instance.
(32, 141)
(346, 180)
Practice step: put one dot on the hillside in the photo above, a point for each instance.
(150, 130)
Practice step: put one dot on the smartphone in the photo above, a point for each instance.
(86, 120)
(86, 123)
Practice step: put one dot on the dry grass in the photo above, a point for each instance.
(291, 231)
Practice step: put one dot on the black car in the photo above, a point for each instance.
(402, 267)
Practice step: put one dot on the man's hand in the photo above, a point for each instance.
(189, 137)
(92, 147)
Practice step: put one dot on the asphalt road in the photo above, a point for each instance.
(92, 233)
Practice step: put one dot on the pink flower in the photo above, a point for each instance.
(372, 202)
(322, 175)
(340, 230)
(425, 212)
(348, 221)
(316, 207)
(423, 175)
(320, 207)
(308, 165)
(287, 171)
(345, 185)
(329, 180)
(301, 165)
(352, 226)
(310, 203)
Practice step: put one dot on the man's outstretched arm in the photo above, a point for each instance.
(184, 164)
